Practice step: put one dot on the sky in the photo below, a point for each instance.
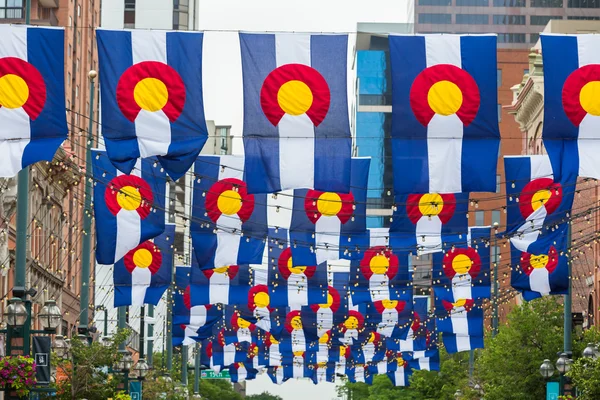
(221, 19)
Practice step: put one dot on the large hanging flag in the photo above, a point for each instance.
(422, 222)
(323, 223)
(33, 123)
(399, 370)
(390, 318)
(144, 274)
(427, 360)
(229, 225)
(222, 355)
(381, 275)
(445, 135)
(296, 126)
(240, 372)
(292, 286)
(571, 108)
(418, 337)
(538, 225)
(460, 322)
(463, 268)
(129, 209)
(151, 84)
(195, 322)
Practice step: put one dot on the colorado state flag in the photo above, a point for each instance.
(228, 223)
(151, 83)
(129, 209)
(445, 113)
(296, 126)
(33, 122)
(144, 274)
(571, 105)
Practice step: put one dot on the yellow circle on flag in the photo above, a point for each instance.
(351, 323)
(444, 98)
(379, 264)
(329, 301)
(151, 94)
(589, 97)
(261, 299)
(329, 204)
(295, 270)
(242, 323)
(296, 322)
(431, 204)
(540, 198)
(295, 97)
(389, 304)
(229, 202)
(538, 261)
(14, 92)
(129, 198)
(461, 264)
(142, 258)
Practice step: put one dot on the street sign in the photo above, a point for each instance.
(135, 390)
(210, 374)
(552, 391)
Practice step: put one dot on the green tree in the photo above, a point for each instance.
(508, 367)
(263, 396)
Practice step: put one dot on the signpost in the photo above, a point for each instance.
(210, 374)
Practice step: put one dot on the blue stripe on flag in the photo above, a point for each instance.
(409, 149)
(188, 132)
(262, 151)
(45, 51)
(332, 136)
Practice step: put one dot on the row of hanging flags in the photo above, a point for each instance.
(261, 294)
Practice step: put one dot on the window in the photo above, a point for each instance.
(526, 71)
(77, 91)
(70, 21)
(69, 78)
(435, 18)
(542, 19)
(496, 217)
(498, 77)
(472, 3)
(495, 253)
(78, 38)
(499, 112)
(435, 2)
(77, 65)
(11, 9)
(78, 10)
(479, 218)
(510, 3)
(583, 4)
(70, 50)
(583, 18)
(472, 19)
(223, 134)
(498, 179)
(180, 14)
(547, 3)
(511, 38)
(129, 14)
(533, 37)
(509, 20)
(68, 104)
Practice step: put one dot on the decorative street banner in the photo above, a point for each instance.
(41, 353)
(445, 135)
(296, 126)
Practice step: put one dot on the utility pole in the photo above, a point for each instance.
(197, 370)
(86, 246)
(184, 363)
(150, 351)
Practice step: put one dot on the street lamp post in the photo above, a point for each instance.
(563, 365)
(495, 297)
(591, 351)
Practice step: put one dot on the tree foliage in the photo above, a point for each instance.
(263, 396)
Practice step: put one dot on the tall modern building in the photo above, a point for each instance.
(56, 189)
(149, 14)
(517, 22)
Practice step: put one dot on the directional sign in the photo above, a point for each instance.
(210, 374)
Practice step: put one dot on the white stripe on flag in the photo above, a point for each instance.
(389, 319)
(399, 377)
(324, 320)
(296, 149)
(539, 281)
(298, 367)
(153, 129)
(242, 373)
(428, 233)
(219, 288)
(233, 167)
(323, 353)
(327, 238)
(229, 354)
(460, 323)
(409, 343)
(461, 286)
(140, 281)
(129, 223)
(587, 144)
(15, 121)
(379, 237)
(540, 167)
(530, 230)
(298, 340)
(463, 342)
(444, 133)
(379, 287)
(229, 226)
(297, 291)
(274, 356)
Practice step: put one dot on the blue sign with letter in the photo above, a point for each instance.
(135, 390)
(552, 390)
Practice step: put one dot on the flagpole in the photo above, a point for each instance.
(86, 247)
(496, 283)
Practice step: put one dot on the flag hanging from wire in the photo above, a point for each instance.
(296, 126)
(33, 122)
(151, 84)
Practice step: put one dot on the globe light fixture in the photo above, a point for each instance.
(16, 313)
(547, 369)
(50, 316)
